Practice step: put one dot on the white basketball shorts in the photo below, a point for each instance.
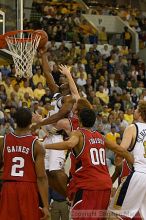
(130, 196)
(54, 159)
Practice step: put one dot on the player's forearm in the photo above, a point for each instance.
(73, 87)
(52, 119)
(49, 78)
(65, 145)
(128, 156)
(119, 150)
(42, 183)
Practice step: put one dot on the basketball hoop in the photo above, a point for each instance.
(22, 45)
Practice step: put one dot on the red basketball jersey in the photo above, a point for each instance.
(126, 170)
(74, 122)
(18, 158)
(89, 170)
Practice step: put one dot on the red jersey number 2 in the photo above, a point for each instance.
(17, 167)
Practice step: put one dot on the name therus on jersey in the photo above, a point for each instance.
(96, 141)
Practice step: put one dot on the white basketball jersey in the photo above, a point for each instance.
(139, 149)
(56, 102)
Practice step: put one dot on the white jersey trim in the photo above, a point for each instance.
(32, 148)
(21, 136)
(77, 203)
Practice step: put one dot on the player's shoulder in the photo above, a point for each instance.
(131, 127)
(38, 147)
(76, 133)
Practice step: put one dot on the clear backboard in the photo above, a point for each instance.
(13, 19)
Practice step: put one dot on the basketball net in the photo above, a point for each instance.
(22, 46)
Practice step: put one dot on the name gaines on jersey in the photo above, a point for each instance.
(21, 149)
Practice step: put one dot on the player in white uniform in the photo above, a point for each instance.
(131, 194)
(54, 160)
(63, 103)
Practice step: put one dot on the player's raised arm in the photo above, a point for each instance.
(42, 181)
(73, 88)
(65, 145)
(119, 150)
(47, 71)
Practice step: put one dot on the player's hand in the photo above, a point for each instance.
(64, 70)
(34, 127)
(44, 51)
(45, 213)
(118, 160)
(36, 118)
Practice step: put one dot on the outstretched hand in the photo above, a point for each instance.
(43, 51)
(34, 127)
(36, 118)
(64, 70)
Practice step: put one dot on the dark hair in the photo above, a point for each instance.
(23, 117)
(87, 117)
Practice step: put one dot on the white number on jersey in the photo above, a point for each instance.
(97, 156)
(17, 166)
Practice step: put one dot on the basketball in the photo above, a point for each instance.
(44, 38)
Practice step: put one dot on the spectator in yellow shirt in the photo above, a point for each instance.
(8, 87)
(38, 77)
(39, 91)
(103, 36)
(128, 116)
(113, 135)
(26, 88)
(102, 96)
(27, 99)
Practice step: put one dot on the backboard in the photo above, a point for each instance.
(13, 15)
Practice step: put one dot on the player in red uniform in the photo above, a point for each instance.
(22, 157)
(91, 176)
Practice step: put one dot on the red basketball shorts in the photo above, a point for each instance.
(89, 205)
(19, 201)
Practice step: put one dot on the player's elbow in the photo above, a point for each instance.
(69, 144)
